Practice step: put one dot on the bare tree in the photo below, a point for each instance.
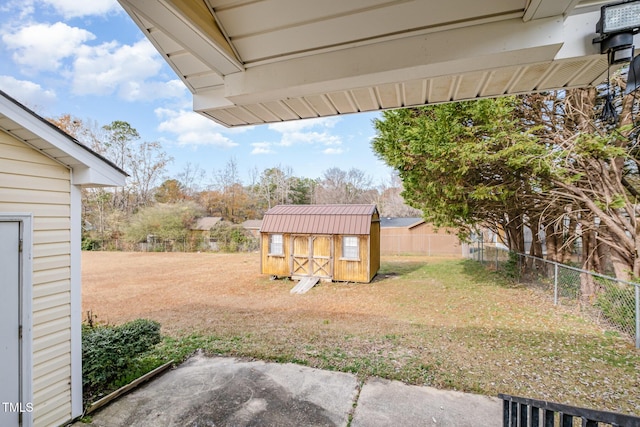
(344, 187)
(274, 186)
(390, 202)
(191, 178)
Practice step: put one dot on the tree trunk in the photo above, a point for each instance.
(587, 284)
(621, 267)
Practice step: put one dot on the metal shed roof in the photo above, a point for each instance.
(319, 219)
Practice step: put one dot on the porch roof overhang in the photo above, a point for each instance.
(249, 62)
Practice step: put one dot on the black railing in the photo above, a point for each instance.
(523, 412)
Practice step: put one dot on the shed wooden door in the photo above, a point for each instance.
(10, 323)
(321, 259)
(300, 256)
(312, 256)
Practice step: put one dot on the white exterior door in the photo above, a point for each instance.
(9, 323)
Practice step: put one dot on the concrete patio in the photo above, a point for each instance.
(221, 391)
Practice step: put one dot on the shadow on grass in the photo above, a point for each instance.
(486, 272)
(390, 267)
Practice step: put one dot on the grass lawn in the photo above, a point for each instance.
(441, 322)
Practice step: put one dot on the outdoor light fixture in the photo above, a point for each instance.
(617, 25)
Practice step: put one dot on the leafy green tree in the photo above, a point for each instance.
(550, 161)
(460, 166)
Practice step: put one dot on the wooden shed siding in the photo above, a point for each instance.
(374, 256)
(275, 265)
(32, 182)
(346, 270)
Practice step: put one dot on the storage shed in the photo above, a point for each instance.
(42, 172)
(331, 242)
(414, 236)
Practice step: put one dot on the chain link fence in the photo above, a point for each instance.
(608, 301)
(199, 244)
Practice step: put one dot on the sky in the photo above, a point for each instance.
(88, 59)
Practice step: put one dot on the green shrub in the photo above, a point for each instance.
(109, 352)
(233, 238)
(90, 244)
(511, 267)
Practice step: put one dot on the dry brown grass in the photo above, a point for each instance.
(441, 322)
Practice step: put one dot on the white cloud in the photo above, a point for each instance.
(324, 138)
(27, 93)
(78, 8)
(310, 131)
(44, 46)
(261, 148)
(333, 151)
(22, 8)
(193, 129)
(148, 91)
(122, 69)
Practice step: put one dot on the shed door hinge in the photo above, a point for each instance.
(20, 246)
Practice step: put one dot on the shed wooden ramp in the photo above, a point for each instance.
(304, 285)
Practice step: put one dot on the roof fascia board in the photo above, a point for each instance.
(415, 224)
(88, 164)
(172, 20)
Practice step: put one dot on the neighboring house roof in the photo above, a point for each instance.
(206, 223)
(252, 224)
(319, 219)
(400, 222)
(89, 168)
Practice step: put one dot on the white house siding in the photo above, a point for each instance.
(33, 183)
